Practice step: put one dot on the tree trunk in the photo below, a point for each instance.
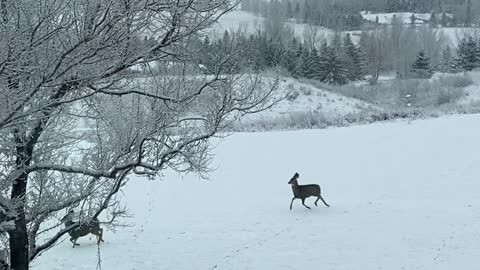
(19, 245)
(18, 240)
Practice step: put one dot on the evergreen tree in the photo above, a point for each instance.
(466, 53)
(289, 9)
(433, 20)
(421, 67)
(477, 53)
(448, 63)
(444, 20)
(392, 6)
(297, 10)
(353, 55)
(300, 57)
(412, 20)
(468, 14)
(311, 64)
(289, 57)
(331, 67)
(246, 5)
(307, 12)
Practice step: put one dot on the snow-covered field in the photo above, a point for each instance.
(250, 23)
(402, 195)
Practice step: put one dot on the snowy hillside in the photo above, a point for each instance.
(402, 196)
(304, 98)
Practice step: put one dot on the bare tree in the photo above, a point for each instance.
(374, 47)
(76, 120)
(314, 35)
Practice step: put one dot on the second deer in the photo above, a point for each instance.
(92, 227)
(304, 191)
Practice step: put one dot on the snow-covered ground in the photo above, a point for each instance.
(403, 17)
(239, 20)
(308, 99)
(402, 195)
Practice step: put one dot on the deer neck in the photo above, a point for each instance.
(295, 189)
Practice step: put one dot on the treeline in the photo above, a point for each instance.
(407, 52)
(345, 14)
(335, 63)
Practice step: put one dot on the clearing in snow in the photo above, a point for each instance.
(402, 195)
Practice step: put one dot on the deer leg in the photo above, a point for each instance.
(318, 198)
(74, 241)
(291, 203)
(321, 198)
(303, 202)
(100, 235)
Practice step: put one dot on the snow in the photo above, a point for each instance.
(402, 195)
(311, 99)
(404, 17)
(238, 20)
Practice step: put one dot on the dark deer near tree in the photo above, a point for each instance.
(92, 227)
(304, 191)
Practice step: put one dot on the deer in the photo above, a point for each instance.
(92, 227)
(304, 191)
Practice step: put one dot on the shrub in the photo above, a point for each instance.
(455, 81)
(292, 96)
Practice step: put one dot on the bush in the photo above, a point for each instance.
(455, 81)
(448, 95)
(292, 96)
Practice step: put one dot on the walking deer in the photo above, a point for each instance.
(92, 227)
(304, 191)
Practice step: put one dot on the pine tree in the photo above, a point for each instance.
(468, 14)
(311, 64)
(477, 53)
(331, 67)
(246, 5)
(307, 12)
(392, 6)
(288, 60)
(467, 55)
(448, 63)
(299, 70)
(289, 9)
(444, 20)
(433, 20)
(421, 67)
(352, 52)
(297, 10)
(412, 20)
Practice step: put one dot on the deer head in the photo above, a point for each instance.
(68, 217)
(293, 181)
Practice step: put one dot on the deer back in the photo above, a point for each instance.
(304, 191)
(83, 229)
